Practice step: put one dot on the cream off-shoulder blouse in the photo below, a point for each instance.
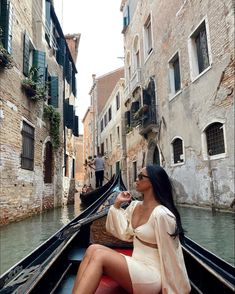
(158, 268)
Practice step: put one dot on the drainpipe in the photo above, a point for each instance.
(212, 188)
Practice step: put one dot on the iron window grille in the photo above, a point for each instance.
(177, 150)
(215, 139)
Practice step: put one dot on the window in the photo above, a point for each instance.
(6, 19)
(134, 167)
(199, 50)
(215, 139)
(148, 36)
(111, 141)
(156, 156)
(118, 101)
(48, 163)
(107, 145)
(66, 172)
(174, 73)
(73, 169)
(105, 119)
(27, 156)
(136, 57)
(102, 149)
(118, 135)
(53, 91)
(110, 113)
(117, 167)
(177, 146)
(102, 125)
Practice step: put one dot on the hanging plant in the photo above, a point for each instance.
(6, 60)
(32, 88)
(138, 114)
(53, 117)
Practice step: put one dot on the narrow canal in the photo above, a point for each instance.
(213, 231)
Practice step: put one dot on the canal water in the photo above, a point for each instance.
(213, 231)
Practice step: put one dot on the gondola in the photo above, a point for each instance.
(90, 197)
(52, 269)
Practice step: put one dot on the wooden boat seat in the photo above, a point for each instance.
(107, 285)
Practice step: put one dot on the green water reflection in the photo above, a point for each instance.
(17, 240)
(212, 231)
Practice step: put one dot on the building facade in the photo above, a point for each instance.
(112, 139)
(179, 94)
(100, 92)
(37, 74)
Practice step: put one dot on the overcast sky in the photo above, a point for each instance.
(100, 24)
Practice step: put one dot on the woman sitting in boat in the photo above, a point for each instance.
(154, 227)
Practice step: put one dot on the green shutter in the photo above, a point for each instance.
(39, 61)
(26, 55)
(60, 54)
(4, 22)
(74, 89)
(68, 114)
(54, 93)
(70, 118)
(76, 126)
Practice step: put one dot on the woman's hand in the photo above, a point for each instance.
(122, 197)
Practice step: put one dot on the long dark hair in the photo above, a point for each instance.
(162, 188)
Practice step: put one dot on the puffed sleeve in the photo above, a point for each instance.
(174, 275)
(117, 222)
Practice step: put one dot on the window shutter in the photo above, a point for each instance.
(127, 118)
(146, 98)
(54, 91)
(48, 19)
(66, 110)
(26, 55)
(74, 89)
(68, 115)
(60, 54)
(6, 24)
(76, 126)
(39, 61)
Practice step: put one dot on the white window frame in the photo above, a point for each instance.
(173, 93)
(148, 37)
(205, 154)
(192, 51)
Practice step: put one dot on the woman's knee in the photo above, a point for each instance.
(91, 250)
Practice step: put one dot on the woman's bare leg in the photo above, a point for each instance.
(101, 260)
(89, 252)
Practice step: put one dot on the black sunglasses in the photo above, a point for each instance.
(141, 176)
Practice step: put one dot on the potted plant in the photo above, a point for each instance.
(31, 87)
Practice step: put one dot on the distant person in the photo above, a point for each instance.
(89, 188)
(99, 170)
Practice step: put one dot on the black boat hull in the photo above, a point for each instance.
(52, 267)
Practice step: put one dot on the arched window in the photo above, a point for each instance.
(156, 156)
(136, 53)
(215, 138)
(48, 163)
(177, 146)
